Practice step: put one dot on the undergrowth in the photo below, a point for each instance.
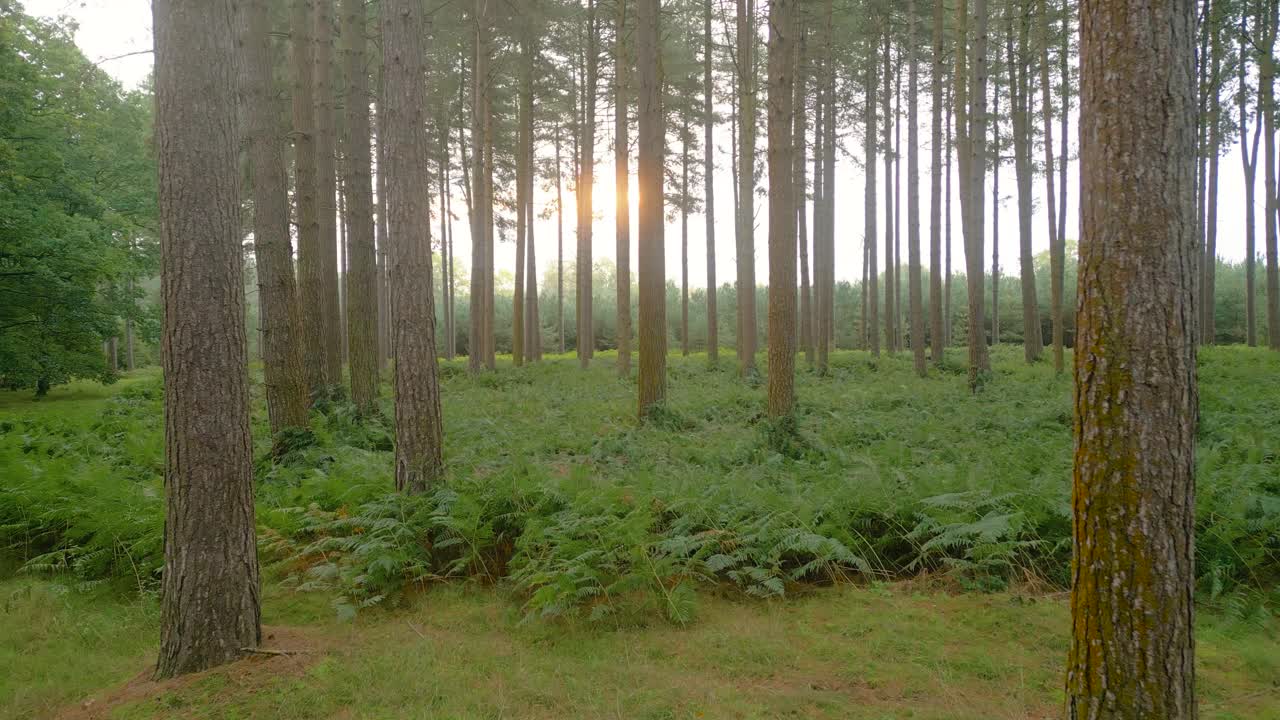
(555, 491)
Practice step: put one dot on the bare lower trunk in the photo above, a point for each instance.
(1132, 651)
(418, 422)
(935, 190)
(708, 149)
(326, 189)
(652, 382)
(915, 289)
(209, 602)
(782, 226)
(745, 221)
(622, 206)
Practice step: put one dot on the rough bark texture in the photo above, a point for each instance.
(745, 221)
(559, 245)
(1266, 85)
(586, 180)
(1135, 366)
(419, 457)
(209, 608)
(622, 191)
(974, 240)
(782, 226)
(684, 236)
(279, 316)
(1249, 164)
(533, 325)
(915, 290)
(480, 231)
(310, 264)
(709, 166)
(362, 301)
(327, 189)
(652, 383)
(523, 141)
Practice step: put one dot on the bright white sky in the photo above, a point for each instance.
(110, 28)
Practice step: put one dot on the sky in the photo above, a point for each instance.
(112, 28)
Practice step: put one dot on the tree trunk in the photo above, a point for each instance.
(1210, 261)
(782, 212)
(476, 341)
(1132, 651)
(805, 316)
(622, 192)
(380, 231)
(1057, 244)
(890, 293)
(586, 179)
(327, 189)
(533, 326)
(559, 244)
(1020, 97)
(1249, 162)
(684, 236)
(935, 190)
(869, 214)
(279, 315)
(418, 422)
(975, 143)
(362, 301)
(1266, 85)
(946, 290)
(209, 606)
(995, 211)
(745, 225)
(915, 289)
(310, 265)
(652, 383)
(709, 168)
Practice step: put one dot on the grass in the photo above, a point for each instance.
(882, 651)
(604, 568)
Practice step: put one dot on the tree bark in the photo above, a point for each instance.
(310, 264)
(419, 424)
(975, 143)
(915, 290)
(890, 293)
(935, 190)
(684, 235)
(480, 232)
(1209, 264)
(209, 607)
(1249, 163)
(805, 316)
(652, 382)
(745, 225)
(327, 189)
(782, 227)
(280, 317)
(622, 191)
(1132, 651)
(1057, 244)
(586, 179)
(362, 300)
(1020, 97)
(1266, 85)
(869, 199)
(709, 168)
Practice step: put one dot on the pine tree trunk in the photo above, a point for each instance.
(946, 291)
(523, 141)
(1132, 651)
(1020, 94)
(586, 180)
(936, 333)
(559, 245)
(1210, 260)
(209, 606)
(380, 231)
(745, 225)
(418, 421)
(1266, 85)
(279, 314)
(869, 214)
(709, 168)
(782, 227)
(995, 212)
(1057, 244)
(652, 382)
(362, 300)
(1249, 163)
(890, 294)
(915, 289)
(798, 181)
(476, 341)
(327, 189)
(684, 236)
(310, 264)
(622, 191)
(975, 142)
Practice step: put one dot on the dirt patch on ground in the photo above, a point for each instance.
(285, 651)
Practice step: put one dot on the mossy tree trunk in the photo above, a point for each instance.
(1132, 650)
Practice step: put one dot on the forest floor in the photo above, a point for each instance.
(873, 653)
(903, 554)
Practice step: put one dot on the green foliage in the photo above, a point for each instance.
(76, 204)
(555, 491)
